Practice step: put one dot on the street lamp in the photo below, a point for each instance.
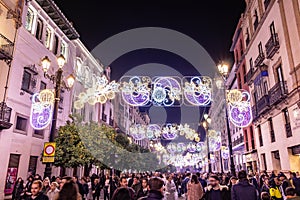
(205, 124)
(56, 79)
(224, 71)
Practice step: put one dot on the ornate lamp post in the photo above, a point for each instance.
(224, 70)
(205, 124)
(56, 79)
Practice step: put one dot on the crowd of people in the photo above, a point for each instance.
(158, 186)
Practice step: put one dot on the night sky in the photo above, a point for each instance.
(210, 23)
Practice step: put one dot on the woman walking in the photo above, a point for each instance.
(194, 189)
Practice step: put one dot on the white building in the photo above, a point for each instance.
(272, 39)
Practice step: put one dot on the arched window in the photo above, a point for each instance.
(29, 20)
(39, 29)
(48, 38)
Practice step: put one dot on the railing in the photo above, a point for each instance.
(260, 59)
(263, 104)
(255, 23)
(238, 141)
(266, 3)
(5, 114)
(272, 45)
(6, 48)
(278, 92)
(254, 112)
(288, 130)
(249, 75)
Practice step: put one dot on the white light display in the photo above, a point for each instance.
(198, 90)
(239, 108)
(41, 109)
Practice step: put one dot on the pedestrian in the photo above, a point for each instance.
(215, 191)
(275, 192)
(122, 192)
(184, 183)
(69, 191)
(265, 196)
(170, 188)
(202, 180)
(295, 182)
(53, 192)
(113, 185)
(232, 181)
(106, 188)
(90, 194)
(79, 185)
(18, 191)
(143, 192)
(266, 185)
(136, 185)
(194, 189)
(243, 190)
(156, 186)
(36, 191)
(28, 186)
(85, 188)
(284, 183)
(96, 188)
(46, 185)
(291, 194)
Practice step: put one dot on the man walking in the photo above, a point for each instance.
(243, 190)
(215, 191)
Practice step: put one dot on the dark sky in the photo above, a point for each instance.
(211, 23)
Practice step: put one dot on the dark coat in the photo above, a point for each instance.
(153, 195)
(141, 193)
(41, 196)
(225, 193)
(243, 191)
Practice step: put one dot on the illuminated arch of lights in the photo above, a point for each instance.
(239, 107)
(214, 139)
(41, 109)
(198, 91)
(100, 92)
(166, 132)
(225, 152)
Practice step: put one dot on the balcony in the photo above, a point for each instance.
(272, 46)
(254, 113)
(249, 75)
(278, 92)
(5, 113)
(259, 60)
(288, 130)
(255, 23)
(263, 104)
(6, 48)
(266, 3)
(238, 141)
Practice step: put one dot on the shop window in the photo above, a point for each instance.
(12, 173)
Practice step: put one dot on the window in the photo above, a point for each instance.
(48, 38)
(63, 49)
(39, 29)
(260, 49)
(271, 128)
(26, 81)
(21, 124)
(43, 85)
(29, 20)
(251, 64)
(279, 74)
(288, 129)
(32, 164)
(272, 29)
(264, 161)
(246, 140)
(266, 87)
(252, 138)
(55, 45)
(38, 133)
(244, 73)
(11, 173)
(261, 143)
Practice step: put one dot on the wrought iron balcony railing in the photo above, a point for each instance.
(263, 104)
(272, 46)
(5, 113)
(6, 48)
(260, 59)
(278, 92)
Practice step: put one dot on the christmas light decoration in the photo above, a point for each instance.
(136, 92)
(169, 132)
(239, 108)
(41, 109)
(198, 90)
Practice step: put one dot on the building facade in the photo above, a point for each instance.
(271, 35)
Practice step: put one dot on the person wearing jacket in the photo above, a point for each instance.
(194, 189)
(215, 191)
(156, 189)
(143, 192)
(36, 191)
(18, 189)
(243, 190)
(170, 188)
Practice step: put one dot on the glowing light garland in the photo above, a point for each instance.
(136, 92)
(198, 91)
(165, 91)
(138, 132)
(214, 138)
(169, 132)
(239, 108)
(101, 91)
(225, 152)
(41, 109)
